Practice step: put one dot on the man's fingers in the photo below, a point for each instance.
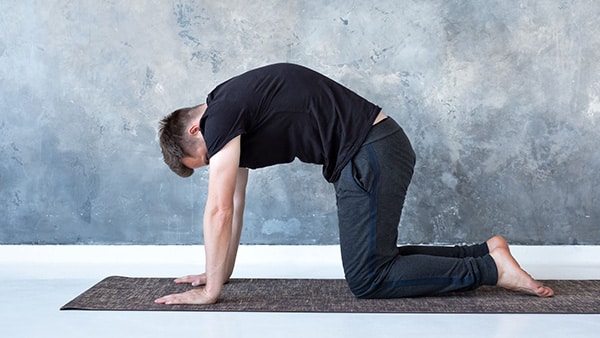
(195, 280)
(189, 297)
(178, 298)
(186, 279)
(163, 300)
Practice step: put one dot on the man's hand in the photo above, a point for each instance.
(194, 280)
(197, 297)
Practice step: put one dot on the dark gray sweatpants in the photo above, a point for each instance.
(370, 196)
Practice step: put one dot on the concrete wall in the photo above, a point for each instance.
(501, 100)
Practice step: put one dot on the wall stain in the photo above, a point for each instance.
(188, 38)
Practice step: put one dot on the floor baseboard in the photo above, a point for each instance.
(91, 261)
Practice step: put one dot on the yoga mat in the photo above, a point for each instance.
(332, 295)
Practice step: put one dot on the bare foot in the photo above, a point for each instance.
(512, 277)
(497, 242)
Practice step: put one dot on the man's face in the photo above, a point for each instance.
(199, 158)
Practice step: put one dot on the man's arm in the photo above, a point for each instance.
(219, 216)
(239, 203)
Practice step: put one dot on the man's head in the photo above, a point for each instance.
(181, 142)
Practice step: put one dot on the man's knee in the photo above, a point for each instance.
(360, 286)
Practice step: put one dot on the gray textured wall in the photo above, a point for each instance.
(501, 100)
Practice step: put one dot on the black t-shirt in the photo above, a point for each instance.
(284, 111)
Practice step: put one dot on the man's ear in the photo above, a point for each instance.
(194, 130)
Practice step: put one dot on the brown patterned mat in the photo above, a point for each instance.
(332, 295)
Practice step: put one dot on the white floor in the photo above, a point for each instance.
(36, 280)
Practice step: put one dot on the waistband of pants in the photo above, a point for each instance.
(381, 130)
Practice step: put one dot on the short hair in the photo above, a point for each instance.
(174, 141)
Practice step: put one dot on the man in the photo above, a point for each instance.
(280, 112)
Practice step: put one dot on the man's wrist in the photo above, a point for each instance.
(213, 290)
